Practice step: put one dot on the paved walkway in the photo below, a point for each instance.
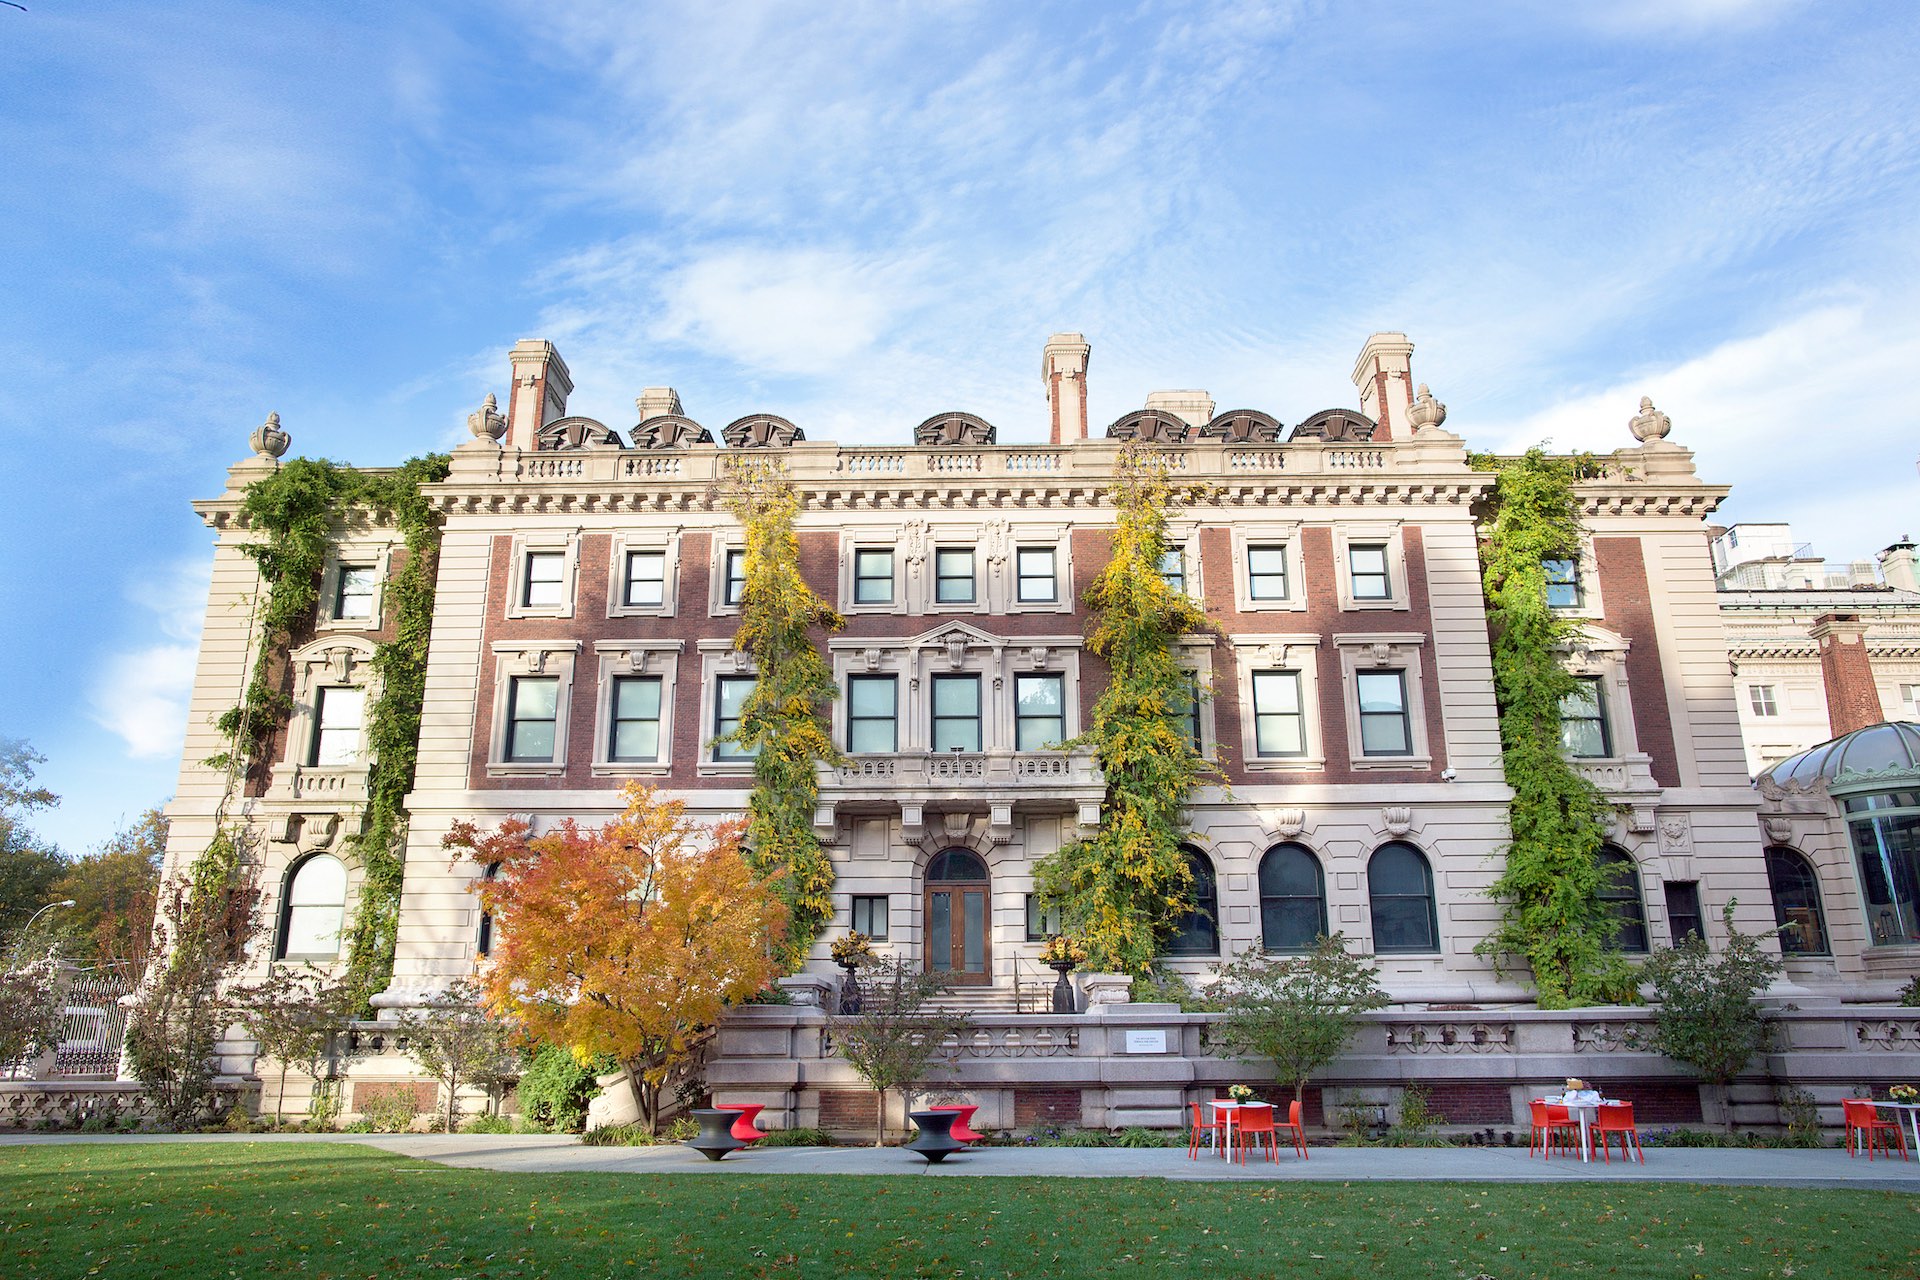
(561, 1154)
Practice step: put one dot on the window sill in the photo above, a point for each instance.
(640, 611)
(518, 612)
(1400, 764)
(1375, 606)
(1286, 764)
(726, 769)
(551, 769)
(631, 769)
(1288, 605)
(346, 624)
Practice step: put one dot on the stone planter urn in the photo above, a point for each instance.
(850, 990)
(1064, 1000)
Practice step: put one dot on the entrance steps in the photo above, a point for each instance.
(976, 1000)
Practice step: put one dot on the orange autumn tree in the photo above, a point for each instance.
(627, 939)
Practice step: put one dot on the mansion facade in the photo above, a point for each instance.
(588, 591)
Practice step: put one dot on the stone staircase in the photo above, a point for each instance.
(980, 1000)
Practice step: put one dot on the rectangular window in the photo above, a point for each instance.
(1279, 723)
(337, 715)
(636, 719)
(1368, 567)
(953, 575)
(729, 696)
(1583, 722)
(1037, 575)
(1039, 711)
(873, 576)
(1266, 573)
(1385, 729)
(870, 916)
(646, 579)
(735, 588)
(956, 713)
(1683, 910)
(1173, 568)
(353, 598)
(1563, 583)
(873, 716)
(1042, 923)
(1910, 700)
(546, 576)
(533, 709)
(1761, 696)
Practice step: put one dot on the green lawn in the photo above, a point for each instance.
(311, 1210)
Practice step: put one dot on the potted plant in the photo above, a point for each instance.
(1240, 1092)
(1063, 955)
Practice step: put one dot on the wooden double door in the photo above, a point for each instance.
(957, 912)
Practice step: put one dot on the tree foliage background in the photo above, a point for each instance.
(627, 939)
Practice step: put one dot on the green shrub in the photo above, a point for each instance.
(1910, 994)
(1802, 1115)
(488, 1124)
(636, 1135)
(357, 1126)
(1165, 986)
(1417, 1121)
(390, 1109)
(797, 1138)
(556, 1088)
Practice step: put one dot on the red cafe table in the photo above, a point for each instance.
(962, 1128)
(743, 1127)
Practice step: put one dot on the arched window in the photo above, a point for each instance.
(1293, 899)
(956, 864)
(313, 911)
(1796, 903)
(484, 944)
(1621, 894)
(1400, 890)
(1197, 933)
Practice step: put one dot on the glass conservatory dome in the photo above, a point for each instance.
(1880, 757)
(1873, 774)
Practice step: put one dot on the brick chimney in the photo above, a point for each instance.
(541, 385)
(1853, 701)
(1384, 374)
(1063, 369)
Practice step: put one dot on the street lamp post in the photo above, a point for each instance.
(64, 902)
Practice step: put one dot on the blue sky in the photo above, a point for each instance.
(858, 214)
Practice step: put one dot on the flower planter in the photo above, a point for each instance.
(1064, 1000)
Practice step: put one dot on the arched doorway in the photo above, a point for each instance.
(956, 918)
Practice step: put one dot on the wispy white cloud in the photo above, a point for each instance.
(140, 694)
(1806, 420)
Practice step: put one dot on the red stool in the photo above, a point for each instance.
(743, 1127)
(961, 1127)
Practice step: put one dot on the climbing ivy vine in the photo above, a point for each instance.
(293, 513)
(1551, 913)
(1121, 889)
(783, 722)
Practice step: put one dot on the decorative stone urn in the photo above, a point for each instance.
(269, 440)
(1064, 1000)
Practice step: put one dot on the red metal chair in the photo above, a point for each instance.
(1255, 1123)
(1212, 1128)
(1296, 1128)
(1864, 1119)
(961, 1128)
(1549, 1121)
(1616, 1119)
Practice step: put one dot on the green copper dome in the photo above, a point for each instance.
(1880, 757)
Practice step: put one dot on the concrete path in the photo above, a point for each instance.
(562, 1154)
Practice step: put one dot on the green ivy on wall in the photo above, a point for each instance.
(1551, 913)
(784, 720)
(293, 513)
(1121, 890)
